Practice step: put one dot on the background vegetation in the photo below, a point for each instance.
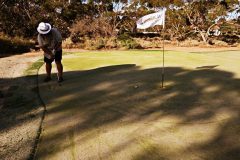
(112, 23)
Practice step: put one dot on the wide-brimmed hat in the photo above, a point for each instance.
(44, 28)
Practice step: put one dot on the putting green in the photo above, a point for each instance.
(111, 106)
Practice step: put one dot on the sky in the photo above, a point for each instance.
(230, 15)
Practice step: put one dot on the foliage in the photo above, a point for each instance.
(14, 45)
(128, 42)
(97, 27)
(17, 18)
(20, 18)
(155, 42)
(94, 19)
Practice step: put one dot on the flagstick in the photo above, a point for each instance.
(163, 58)
(151, 20)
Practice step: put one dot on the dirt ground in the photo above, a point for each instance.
(20, 111)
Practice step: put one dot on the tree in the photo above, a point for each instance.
(21, 17)
(202, 15)
(18, 17)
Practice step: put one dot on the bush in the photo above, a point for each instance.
(238, 45)
(155, 42)
(14, 45)
(220, 43)
(100, 43)
(67, 43)
(230, 39)
(112, 43)
(96, 28)
(128, 42)
(190, 43)
(94, 44)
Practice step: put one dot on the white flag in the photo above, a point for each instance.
(152, 20)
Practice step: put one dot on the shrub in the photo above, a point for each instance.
(67, 43)
(101, 43)
(155, 42)
(238, 45)
(112, 43)
(190, 43)
(220, 43)
(96, 27)
(128, 42)
(13, 45)
(94, 44)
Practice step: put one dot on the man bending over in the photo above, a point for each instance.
(50, 41)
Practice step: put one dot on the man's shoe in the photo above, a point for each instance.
(60, 79)
(47, 79)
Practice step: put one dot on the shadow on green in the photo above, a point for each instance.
(127, 94)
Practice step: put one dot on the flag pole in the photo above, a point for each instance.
(163, 57)
(152, 20)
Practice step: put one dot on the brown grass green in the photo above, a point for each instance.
(111, 106)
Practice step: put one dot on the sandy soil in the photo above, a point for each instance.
(20, 114)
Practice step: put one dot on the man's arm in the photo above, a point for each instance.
(58, 46)
(48, 52)
(57, 40)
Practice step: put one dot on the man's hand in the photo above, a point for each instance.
(49, 56)
(48, 53)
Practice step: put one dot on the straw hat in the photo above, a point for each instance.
(44, 28)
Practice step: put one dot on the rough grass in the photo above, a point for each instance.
(33, 69)
(111, 106)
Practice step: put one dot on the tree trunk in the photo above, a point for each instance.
(203, 36)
